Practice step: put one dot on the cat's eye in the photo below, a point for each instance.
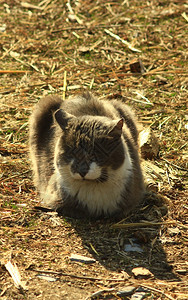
(78, 153)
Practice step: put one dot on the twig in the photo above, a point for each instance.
(24, 63)
(147, 224)
(91, 84)
(69, 7)
(64, 84)
(177, 167)
(181, 225)
(30, 6)
(13, 176)
(141, 224)
(143, 97)
(77, 276)
(44, 3)
(158, 291)
(151, 249)
(13, 271)
(7, 91)
(140, 101)
(7, 51)
(117, 37)
(93, 248)
(13, 71)
(72, 13)
(98, 293)
(84, 27)
(167, 175)
(5, 289)
(164, 121)
(185, 16)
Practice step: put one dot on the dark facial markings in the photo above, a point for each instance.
(82, 146)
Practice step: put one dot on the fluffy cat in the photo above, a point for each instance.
(84, 153)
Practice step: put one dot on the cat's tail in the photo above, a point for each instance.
(42, 117)
(41, 133)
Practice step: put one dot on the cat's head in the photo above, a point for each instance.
(88, 146)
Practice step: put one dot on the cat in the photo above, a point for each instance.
(84, 153)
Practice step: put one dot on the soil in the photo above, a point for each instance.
(134, 51)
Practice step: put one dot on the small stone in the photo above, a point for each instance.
(138, 296)
(141, 272)
(128, 290)
(133, 247)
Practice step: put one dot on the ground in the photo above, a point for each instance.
(134, 51)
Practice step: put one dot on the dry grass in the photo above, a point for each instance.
(47, 48)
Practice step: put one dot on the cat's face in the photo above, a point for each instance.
(88, 146)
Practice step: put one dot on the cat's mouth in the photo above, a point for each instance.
(79, 177)
(101, 178)
(89, 180)
(85, 172)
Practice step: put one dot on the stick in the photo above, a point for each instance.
(143, 224)
(72, 13)
(140, 101)
(76, 276)
(13, 71)
(91, 84)
(158, 291)
(147, 100)
(99, 293)
(84, 27)
(185, 16)
(13, 271)
(64, 84)
(30, 6)
(24, 63)
(117, 37)
(13, 176)
(177, 167)
(93, 248)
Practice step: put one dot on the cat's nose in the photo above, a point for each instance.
(83, 169)
(83, 174)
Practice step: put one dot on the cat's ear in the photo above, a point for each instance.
(117, 128)
(87, 95)
(62, 118)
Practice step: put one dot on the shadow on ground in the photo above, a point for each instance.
(107, 245)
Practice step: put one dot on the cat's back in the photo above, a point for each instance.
(79, 105)
(42, 120)
(87, 104)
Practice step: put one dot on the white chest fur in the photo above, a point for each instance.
(99, 196)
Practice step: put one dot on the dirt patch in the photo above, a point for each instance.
(134, 51)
